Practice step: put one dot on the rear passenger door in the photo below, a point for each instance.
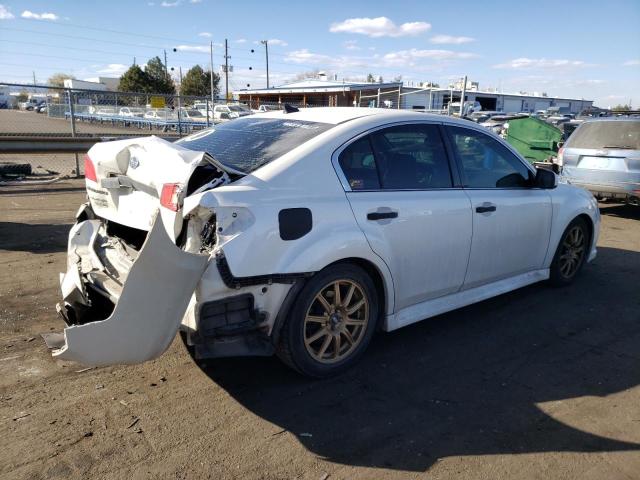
(511, 218)
(399, 183)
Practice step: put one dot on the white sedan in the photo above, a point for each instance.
(303, 232)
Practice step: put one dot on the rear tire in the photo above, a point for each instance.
(331, 322)
(571, 253)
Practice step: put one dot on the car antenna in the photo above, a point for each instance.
(290, 108)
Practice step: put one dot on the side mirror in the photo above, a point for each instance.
(545, 179)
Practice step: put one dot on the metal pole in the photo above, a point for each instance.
(266, 52)
(208, 111)
(431, 98)
(378, 99)
(226, 71)
(180, 105)
(399, 90)
(73, 129)
(464, 91)
(211, 79)
(166, 73)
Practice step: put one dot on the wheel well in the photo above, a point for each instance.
(376, 277)
(589, 223)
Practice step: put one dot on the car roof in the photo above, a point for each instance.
(613, 119)
(337, 115)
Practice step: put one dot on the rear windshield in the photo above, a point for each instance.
(248, 143)
(616, 134)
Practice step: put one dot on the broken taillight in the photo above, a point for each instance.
(170, 196)
(89, 169)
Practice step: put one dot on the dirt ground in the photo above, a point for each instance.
(539, 383)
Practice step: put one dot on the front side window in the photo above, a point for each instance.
(486, 163)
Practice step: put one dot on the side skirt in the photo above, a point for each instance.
(431, 308)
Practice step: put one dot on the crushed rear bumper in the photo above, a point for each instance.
(150, 304)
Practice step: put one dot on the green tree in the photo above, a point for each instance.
(197, 82)
(57, 79)
(134, 80)
(380, 79)
(23, 96)
(159, 79)
(371, 78)
(621, 108)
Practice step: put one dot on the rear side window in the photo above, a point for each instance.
(486, 163)
(608, 134)
(405, 157)
(359, 166)
(248, 143)
(411, 157)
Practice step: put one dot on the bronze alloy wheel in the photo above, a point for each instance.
(336, 321)
(573, 251)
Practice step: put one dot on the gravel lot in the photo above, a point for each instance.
(539, 383)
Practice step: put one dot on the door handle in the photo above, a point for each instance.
(486, 208)
(381, 215)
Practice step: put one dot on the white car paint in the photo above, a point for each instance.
(436, 256)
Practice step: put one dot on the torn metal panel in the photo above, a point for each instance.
(149, 310)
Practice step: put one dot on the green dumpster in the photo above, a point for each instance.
(535, 139)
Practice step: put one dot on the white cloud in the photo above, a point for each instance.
(241, 40)
(5, 14)
(193, 48)
(205, 34)
(39, 16)
(195, 1)
(115, 69)
(541, 63)
(414, 57)
(628, 63)
(351, 45)
(276, 42)
(305, 57)
(170, 4)
(379, 27)
(449, 39)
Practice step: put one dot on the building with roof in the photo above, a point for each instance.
(316, 92)
(332, 93)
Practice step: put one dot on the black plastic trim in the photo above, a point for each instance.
(238, 282)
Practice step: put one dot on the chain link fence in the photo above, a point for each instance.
(54, 112)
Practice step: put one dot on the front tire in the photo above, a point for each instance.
(571, 253)
(331, 322)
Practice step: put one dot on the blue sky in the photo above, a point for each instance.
(564, 48)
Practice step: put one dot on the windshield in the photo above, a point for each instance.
(236, 108)
(616, 134)
(194, 113)
(248, 143)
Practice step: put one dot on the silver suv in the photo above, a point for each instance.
(603, 156)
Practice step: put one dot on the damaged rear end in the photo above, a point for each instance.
(129, 278)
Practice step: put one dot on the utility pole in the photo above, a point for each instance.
(266, 52)
(211, 75)
(34, 78)
(464, 91)
(226, 70)
(165, 64)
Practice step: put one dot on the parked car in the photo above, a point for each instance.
(161, 114)
(132, 112)
(603, 156)
(303, 233)
(267, 108)
(483, 116)
(192, 115)
(229, 112)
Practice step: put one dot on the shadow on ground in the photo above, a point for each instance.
(34, 238)
(467, 382)
(620, 210)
